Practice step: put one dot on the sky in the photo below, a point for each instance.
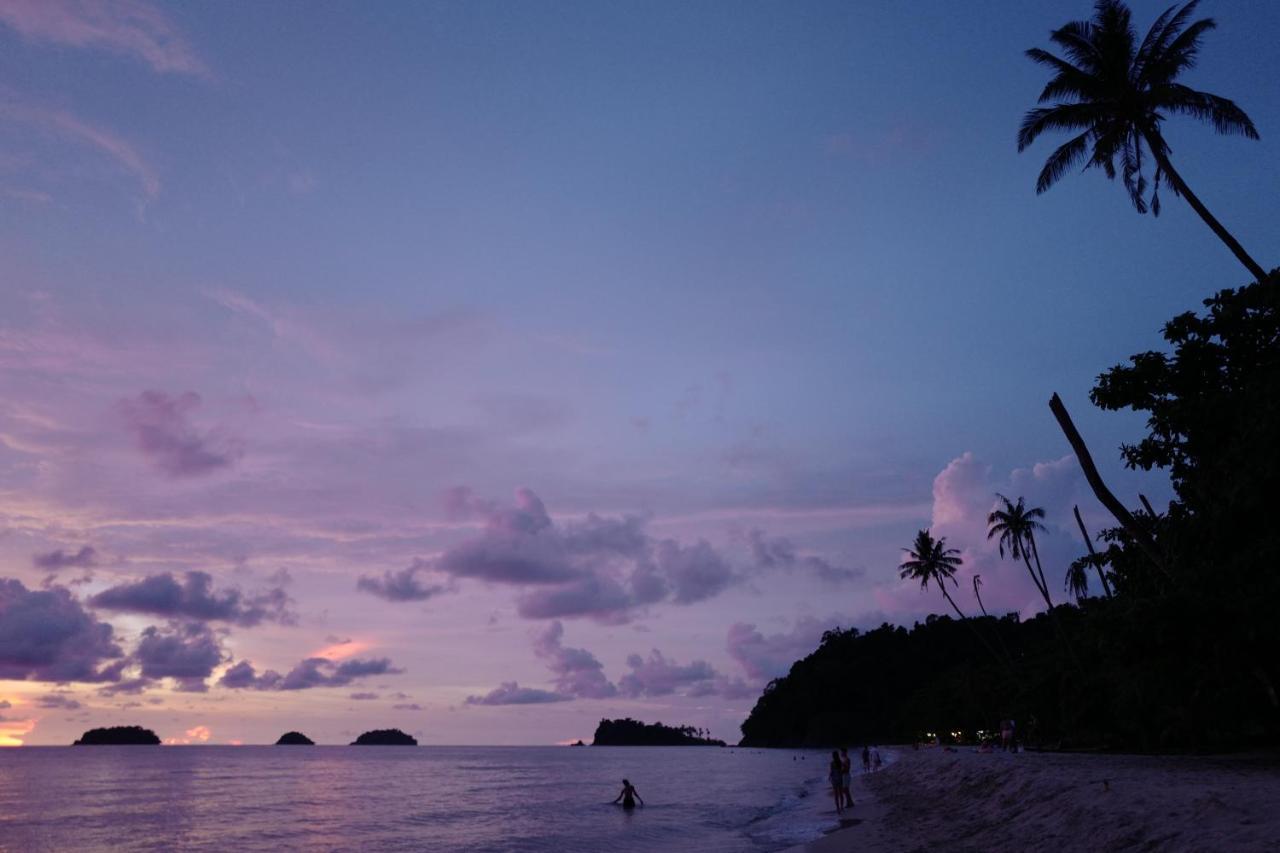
(486, 369)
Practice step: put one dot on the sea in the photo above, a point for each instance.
(425, 798)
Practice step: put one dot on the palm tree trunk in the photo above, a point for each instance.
(1139, 534)
(978, 596)
(1008, 661)
(1088, 543)
(1044, 593)
(1254, 268)
(1044, 585)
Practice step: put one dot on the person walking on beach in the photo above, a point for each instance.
(1006, 734)
(835, 773)
(846, 775)
(628, 796)
(875, 759)
(866, 759)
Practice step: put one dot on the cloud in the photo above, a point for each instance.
(402, 585)
(308, 673)
(407, 706)
(186, 653)
(363, 696)
(511, 693)
(576, 672)
(45, 635)
(124, 27)
(164, 434)
(780, 553)
(63, 124)
(194, 598)
(85, 558)
(57, 700)
(767, 657)
(659, 676)
(600, 567)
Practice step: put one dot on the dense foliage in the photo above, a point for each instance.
(629, 732)
(1183, 655)
(385, 737)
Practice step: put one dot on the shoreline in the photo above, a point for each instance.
(970, 801)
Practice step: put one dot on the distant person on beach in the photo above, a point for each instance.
(1006, 734)
(866, 759)
(628, 796)
(846, 775)
(875, 758)
(835, 773)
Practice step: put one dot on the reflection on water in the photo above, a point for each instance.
(406, 798)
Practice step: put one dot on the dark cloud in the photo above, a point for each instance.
(600, 567)
(511, 693)
(308, 673)
(132, 686)
(162, 429)
(402, 585)
(45, 635)
(53, 561)
(57, 700)
(407, 706)
(576, 672)
(659, 676)
(779, 553)
(187, 653)
(194, 598)
(363, 697)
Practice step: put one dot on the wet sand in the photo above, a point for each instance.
(965, 802)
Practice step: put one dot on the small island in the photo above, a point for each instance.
(385, 737)
(295, 739)
(629, 732)
(117, 736)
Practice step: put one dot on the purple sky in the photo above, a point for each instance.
(487, 369)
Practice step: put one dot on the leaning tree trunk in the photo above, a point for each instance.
(1088, 543)
(1044, 593)
(1044, 585)
(1008, 660)
(1141, 537)
(1180, 186)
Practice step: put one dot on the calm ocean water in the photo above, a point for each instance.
(533, 799)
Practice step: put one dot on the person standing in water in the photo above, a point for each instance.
(628, 796)
(835, 774)
(846, 769)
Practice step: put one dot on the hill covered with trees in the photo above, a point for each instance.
(629, 732)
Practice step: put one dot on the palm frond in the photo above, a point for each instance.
(1223, 113)
(1067, 155)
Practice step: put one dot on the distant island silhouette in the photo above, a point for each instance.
(117, 735)
(295, 739)
(385, 737)
(629, 732)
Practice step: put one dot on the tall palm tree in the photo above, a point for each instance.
(1115, 93)
(977, 582)
(1016, 526)
(1077, 581)
(930, 560)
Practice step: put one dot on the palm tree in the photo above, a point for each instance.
(977, 582)
(1116, 93)
(930, 559)
(1077, 582)
(1016, 526)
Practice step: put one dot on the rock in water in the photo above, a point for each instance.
(118, 735)
(295, 739)
(385, 737)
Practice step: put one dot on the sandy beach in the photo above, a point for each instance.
(965, 801)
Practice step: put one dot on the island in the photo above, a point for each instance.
(385, 737)
(629, 732)
(118, 735)
(578, 743)
(295, 739)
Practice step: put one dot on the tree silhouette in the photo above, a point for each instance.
(929, 560)
(1016, 526)
(1115, 93)
(977, 582)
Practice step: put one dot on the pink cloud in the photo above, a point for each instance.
(128, 27)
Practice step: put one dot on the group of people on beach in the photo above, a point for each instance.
(841, 773)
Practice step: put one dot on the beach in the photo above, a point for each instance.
(968, 801)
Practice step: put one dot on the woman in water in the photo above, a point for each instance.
(836, 775)
(628, 796)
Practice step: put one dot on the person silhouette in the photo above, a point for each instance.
(628, 796)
